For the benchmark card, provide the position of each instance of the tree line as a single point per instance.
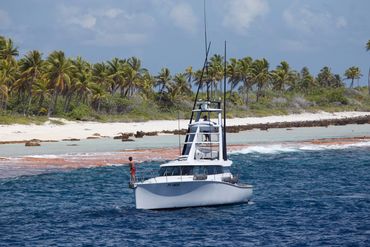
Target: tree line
(34, 85)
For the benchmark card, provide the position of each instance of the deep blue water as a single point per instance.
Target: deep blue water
(304, 198)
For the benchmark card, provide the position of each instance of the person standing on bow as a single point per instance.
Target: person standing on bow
(132, 170)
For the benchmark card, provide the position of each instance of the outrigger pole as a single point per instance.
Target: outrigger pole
(224, 149)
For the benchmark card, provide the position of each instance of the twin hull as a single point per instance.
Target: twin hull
(190, 194)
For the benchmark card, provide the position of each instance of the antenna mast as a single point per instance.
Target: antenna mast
(224, 151)
(205, 26)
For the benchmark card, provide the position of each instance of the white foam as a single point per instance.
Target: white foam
(116, 164)
(43, 156)
(284, 148)
(268, 149)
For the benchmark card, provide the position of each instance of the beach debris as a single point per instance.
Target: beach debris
(123, 136)
(71, 139)
(32, 143)
(153, 133)
(139, 134)
(93, 137)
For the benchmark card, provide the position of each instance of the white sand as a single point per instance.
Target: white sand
(82, 130)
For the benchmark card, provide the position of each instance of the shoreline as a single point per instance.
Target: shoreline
(73, 130)
(35, 164)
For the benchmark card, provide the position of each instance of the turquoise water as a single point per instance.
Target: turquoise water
(301, 198)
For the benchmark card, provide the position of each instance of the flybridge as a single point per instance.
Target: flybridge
(204, 137)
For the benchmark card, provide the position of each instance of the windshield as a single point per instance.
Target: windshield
(192, 170)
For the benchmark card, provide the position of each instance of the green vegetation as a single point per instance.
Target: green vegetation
(34, 88)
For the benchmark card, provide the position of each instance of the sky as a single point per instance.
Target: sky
(170, 33)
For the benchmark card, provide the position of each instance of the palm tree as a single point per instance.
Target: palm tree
(325, 78)
(261, 74)
(41, 92)
(8, 51)
(306, 81)
(59, 70)
(245, 74)
(282, 75)
(81, 83)
(368, 78)
(133, 75)
(232, 71)
(197, 78)
(180, 86)
(352, 73)
(4, 91)
(100, 75)
(98, 95)
(189, 73)
(116, 74)
(31, 68)
(215, 72)
(147, 84)
(8, 73)
(163, 80)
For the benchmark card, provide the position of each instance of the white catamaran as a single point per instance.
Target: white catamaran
(201, 176)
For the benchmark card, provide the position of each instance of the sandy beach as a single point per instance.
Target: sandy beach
(83, 130)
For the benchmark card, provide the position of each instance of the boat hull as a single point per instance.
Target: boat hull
(190, 194)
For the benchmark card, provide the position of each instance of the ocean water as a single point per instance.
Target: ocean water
(301, 198)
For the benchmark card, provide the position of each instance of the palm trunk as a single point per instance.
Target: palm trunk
(29, 104)
(53, 103)
(352, 83)
(247, 96)
(41, 101)
(99, 106)
(29, 101)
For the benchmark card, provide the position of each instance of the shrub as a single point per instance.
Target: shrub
(280, 101)
(81, 112)
(300, 102)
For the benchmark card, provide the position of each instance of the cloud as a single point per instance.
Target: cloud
(292, 45)
(240, 14)
(112, 13)
(4, 19)
(183, 16)
(107, 26)
(307, 21)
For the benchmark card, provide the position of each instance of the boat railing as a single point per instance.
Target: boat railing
(145, 174)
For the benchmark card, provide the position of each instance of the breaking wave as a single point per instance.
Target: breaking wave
(297, 147)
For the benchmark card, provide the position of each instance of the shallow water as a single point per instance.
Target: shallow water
(164, 141)
(301, 198)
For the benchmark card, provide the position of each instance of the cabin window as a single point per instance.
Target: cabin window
(191, 170)
(176, 171)
(226, 170)
(187, 170)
